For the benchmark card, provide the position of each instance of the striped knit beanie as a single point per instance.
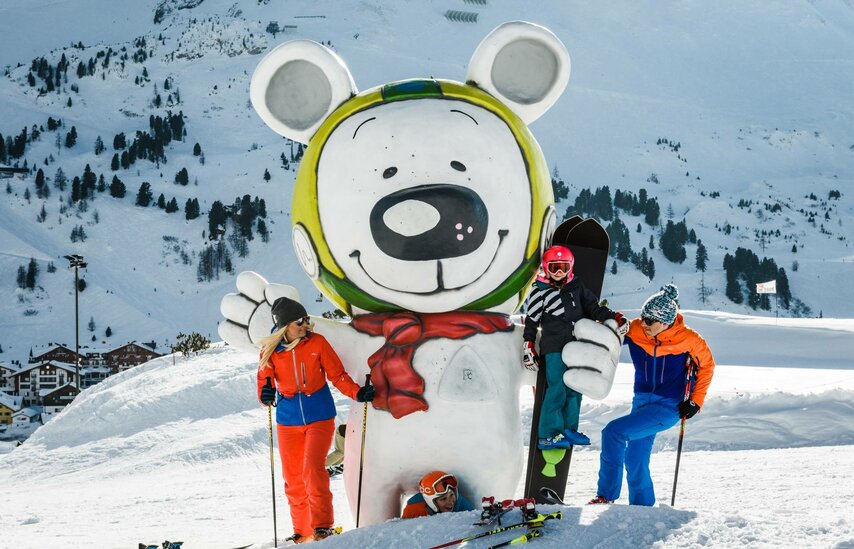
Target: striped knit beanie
(662, 306)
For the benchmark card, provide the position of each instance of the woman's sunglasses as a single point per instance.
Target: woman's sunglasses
(303, 320)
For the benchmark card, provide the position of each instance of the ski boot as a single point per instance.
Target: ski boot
(296, 539)
(553, 443)
(577, 439)
(599, 500)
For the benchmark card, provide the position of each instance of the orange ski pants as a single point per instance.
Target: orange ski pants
(303, 450)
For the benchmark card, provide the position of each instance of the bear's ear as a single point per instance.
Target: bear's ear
(297, 85)
(522, 64)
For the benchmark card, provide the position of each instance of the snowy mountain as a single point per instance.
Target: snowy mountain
(706, 106)
(178, 449)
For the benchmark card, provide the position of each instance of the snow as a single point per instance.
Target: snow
(757, 93)
(177, 449)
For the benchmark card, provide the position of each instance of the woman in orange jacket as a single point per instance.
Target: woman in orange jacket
(292, 373)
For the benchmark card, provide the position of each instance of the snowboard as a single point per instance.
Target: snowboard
(589, 243)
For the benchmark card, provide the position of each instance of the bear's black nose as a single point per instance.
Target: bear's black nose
(429, 222)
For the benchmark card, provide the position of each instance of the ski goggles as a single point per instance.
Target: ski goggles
(304, 320)
(441, 486)
(558, 267)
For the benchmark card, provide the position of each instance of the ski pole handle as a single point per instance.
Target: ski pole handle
(367, 379)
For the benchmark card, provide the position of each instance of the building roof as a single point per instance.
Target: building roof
(29, 411)
(11, 402)
(46, 392)
(42, 349)
(64, 365)
(144, 346)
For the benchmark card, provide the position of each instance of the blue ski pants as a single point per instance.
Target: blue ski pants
(627, 442)
(561, 405)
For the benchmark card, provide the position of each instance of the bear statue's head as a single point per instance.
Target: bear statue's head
(424, 195)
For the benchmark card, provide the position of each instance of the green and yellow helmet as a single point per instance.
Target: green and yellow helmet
(310, 234)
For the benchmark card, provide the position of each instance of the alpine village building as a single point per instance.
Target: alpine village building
(38, 390)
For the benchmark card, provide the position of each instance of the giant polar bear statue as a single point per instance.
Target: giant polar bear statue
(421, 209)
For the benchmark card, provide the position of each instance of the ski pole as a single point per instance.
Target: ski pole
(362, 454)
(272, 465)
(690, 368)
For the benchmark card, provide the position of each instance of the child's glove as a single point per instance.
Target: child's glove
(529, 356)
(622, 326)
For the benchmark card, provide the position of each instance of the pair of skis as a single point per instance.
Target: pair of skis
(535, 522)
(164, 545)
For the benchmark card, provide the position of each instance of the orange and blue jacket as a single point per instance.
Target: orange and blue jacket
(661, 362)
(300, 375)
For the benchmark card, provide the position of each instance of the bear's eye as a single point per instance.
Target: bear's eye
(389, 172)
(459, 166)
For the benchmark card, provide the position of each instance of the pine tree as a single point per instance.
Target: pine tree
(262, 230)
(217, 217)
(172, 206)
(266, 174)
(99, 145)
(22, 277)
(161, 201)
(75, 190)
(108, 332)
(144, 196)
(60, 180)
(32, 274)
(117, 188)
(197, 149)
(182, 177)
(701, 257)
(71, 136)
(91, 325)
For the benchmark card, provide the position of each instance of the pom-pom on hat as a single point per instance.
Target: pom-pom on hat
(663, 305)
(286, 310)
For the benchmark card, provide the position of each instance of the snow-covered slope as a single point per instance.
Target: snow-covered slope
(178, 449)
(756, 93)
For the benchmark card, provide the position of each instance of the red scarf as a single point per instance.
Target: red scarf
(398, 386)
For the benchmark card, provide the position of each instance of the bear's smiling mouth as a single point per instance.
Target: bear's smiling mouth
(440, 283)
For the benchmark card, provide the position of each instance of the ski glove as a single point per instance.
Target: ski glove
(688, 409)
(365, 394)
(529, 356)
(622, 324)
(268, 396)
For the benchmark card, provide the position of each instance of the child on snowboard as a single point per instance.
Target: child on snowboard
(558, 300)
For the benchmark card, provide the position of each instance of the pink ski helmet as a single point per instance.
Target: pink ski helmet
(558, 259)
